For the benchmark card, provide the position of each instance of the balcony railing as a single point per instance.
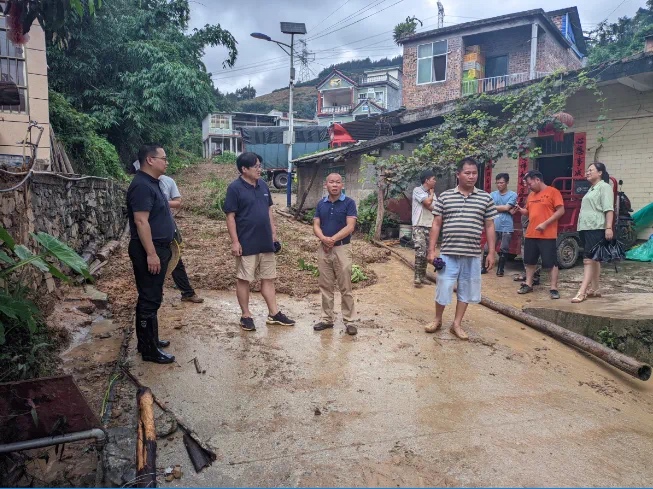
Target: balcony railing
(497, 82)
(338, 109)
(221, 131)
(379, 79)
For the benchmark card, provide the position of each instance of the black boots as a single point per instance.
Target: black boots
(501, 265)
(139, 336)
(147, 335)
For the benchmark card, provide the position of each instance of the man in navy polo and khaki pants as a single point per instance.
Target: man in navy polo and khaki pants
(334, 223)
(248, 206)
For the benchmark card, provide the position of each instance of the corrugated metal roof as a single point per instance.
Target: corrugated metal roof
(363, 147)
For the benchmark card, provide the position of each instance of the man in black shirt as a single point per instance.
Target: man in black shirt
(248, 206)
(152, 230)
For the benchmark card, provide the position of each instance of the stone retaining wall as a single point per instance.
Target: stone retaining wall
(75, 211)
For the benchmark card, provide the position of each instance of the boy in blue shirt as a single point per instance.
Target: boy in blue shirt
(504, 200)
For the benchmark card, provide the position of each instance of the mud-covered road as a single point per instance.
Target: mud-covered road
(394, 406)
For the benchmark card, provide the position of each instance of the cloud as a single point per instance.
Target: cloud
(338, 31)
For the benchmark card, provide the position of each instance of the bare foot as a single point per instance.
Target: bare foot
(432, 329)
(459, 332)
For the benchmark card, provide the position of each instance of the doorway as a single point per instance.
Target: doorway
(556, 157)
(553, 167)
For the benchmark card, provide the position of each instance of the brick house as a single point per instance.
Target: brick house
(342, 98)
(447, 63)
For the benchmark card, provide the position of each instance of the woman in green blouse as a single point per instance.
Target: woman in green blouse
(594, 224)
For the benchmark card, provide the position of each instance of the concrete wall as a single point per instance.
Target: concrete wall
(75, 212)
(629, 133)
(360, 178)
(13, 124)
(393, 98)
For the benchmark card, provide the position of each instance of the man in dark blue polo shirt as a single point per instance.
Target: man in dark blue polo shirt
(248, 206)
(152, 230)
(334, 223)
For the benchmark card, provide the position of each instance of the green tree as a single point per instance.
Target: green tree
(245, 93)
(138, 72)
(612, 41)
(405, 28)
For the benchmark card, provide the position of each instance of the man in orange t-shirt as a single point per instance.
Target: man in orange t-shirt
(544, 208)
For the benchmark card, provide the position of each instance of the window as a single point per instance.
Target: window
(496, 66)
(362, 96)
(12, 67)
(219, 121)
(432, 62)
(378, 97)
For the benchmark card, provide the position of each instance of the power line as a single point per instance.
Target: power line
(358, 12)
(324, 19)
(357, 21)
(616, 8)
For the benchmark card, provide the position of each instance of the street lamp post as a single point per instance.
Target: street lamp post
(291, 28)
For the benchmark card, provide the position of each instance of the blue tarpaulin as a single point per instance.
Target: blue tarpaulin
(268, 143)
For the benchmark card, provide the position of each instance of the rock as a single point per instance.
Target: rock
(87, 308)
(119, 461)
(165, 425)
(317, 411)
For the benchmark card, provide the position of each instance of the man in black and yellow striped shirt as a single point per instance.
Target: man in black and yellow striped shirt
(461, 214)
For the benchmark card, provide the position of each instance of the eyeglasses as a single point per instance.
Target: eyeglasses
(256, 167)
(164, 158)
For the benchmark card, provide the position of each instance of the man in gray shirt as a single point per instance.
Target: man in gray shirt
(422, 218)
(171, 192)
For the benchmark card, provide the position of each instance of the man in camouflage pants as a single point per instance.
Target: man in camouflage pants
(422, 218)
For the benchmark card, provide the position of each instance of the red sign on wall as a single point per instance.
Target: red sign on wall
(580, 149)
(522, 170)
(487, 177)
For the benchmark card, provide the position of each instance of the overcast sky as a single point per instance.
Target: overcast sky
(333, 40)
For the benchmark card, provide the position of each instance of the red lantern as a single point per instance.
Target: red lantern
(564, 118)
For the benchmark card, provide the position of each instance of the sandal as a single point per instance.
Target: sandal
(525, 289)
(579, 298)
(519, 278)
(594, 293)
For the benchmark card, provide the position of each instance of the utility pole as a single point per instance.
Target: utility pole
(291, 28)
(440, 15)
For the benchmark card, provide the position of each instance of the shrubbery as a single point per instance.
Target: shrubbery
(90, 153)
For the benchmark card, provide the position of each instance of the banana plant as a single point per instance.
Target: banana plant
(15, 309)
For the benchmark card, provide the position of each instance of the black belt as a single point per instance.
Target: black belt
(342, 242)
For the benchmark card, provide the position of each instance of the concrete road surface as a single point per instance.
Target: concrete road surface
(394, 406)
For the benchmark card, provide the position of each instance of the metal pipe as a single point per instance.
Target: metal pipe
(97, 433)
